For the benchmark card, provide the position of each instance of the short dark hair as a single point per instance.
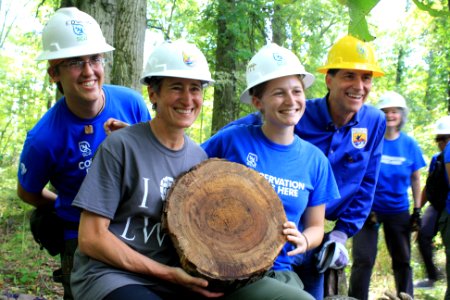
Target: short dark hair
(154, 82)
(332, 72)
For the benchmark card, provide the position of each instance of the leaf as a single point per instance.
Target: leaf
(358, 10)
(358, 26)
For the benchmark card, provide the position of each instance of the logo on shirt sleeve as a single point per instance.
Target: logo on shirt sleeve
(23, 169)
(359, 137)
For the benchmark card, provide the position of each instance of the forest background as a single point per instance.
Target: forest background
(411, 39)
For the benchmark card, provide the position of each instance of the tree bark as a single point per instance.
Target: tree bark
(225, 86)
(129, 37)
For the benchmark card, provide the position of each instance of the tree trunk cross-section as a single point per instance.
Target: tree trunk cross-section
(225, 220)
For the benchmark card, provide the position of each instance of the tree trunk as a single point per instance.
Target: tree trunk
(278, 26)
(129, 37)
(225, 97)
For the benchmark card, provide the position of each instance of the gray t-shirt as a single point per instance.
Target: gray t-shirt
(127, 183)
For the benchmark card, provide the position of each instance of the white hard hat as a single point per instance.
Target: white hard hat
(270, 62)
(442, 126)
(177, 59)
(392, 99)
(70, 33)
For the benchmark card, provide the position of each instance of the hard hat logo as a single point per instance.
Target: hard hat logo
(251, 67)
(78, 28)
(278, 57)
(362, 51)
(188, 59)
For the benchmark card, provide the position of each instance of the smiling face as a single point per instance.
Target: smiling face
(80, 84)
(393, 117)
(282, 102)
(178, 102)
(348, 90)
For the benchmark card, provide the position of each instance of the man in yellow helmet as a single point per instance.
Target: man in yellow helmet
(350, 134)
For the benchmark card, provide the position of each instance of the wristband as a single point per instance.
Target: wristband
(307, 242)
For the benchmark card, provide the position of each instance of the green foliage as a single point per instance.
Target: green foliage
(434, 8)
(414, 53)
(358, 10)
(24, 268)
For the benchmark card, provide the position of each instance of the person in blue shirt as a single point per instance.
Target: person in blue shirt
(60, 147)
(429, 227)
(350, 133)
(298, 171)
(400, 169)
(444, 220)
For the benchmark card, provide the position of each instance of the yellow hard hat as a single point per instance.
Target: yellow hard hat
(354, 54)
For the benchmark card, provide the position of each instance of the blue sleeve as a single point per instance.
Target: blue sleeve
(419, 161)
(34, 174)
(214, 146)
(353, 217)
(145, 114)
(326, 187)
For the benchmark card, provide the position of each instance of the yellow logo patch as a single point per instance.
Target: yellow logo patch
(359, 137)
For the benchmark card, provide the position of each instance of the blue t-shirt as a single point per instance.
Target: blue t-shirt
(446, 161)
(401, 158)
(299, 172)
(57, 149)
(354, 152)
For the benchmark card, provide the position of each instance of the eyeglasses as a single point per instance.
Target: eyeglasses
(78, 64)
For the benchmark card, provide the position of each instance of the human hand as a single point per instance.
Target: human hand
(198, 285)
(415, 220)
(113, 124)
(372, 219)
(295, 237)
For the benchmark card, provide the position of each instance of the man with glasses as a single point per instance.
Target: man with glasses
(60, 147)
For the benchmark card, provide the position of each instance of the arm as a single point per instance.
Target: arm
(423, 197)
(34, 199)
(312, 236)
(415, 187)
(353, 217)
(96, 241)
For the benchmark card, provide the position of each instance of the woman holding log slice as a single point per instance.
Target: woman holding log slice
(123, 253)
(299, 172)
